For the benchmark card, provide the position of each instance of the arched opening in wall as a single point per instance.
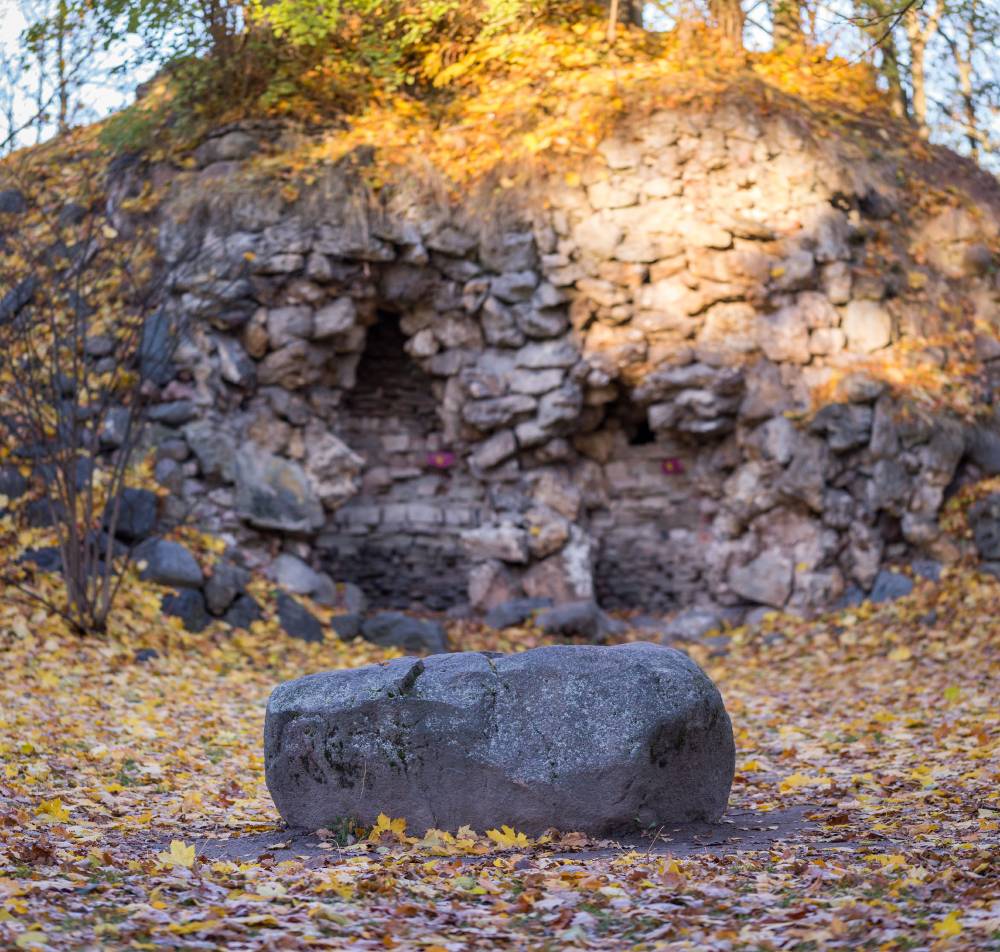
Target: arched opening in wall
(390, 382)
(647, 530)
(398, 538)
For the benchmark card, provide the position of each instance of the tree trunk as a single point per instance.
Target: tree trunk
(728, 19)
(963, 66)
(877, 26)
(62, 71)
(919, 34)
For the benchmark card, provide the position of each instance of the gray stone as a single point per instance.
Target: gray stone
(336, 318)
(493, 451)
(274, 493)
(868, 326)
(550, 353)
(691, 625)
(137, 514)
(17, 298)
(156, 348)
(766, 580)
(189, 606)
(534, 382)
(889, 586)
(292, 574)
(174, 413)
(235, 365)
(784, 336)
(286, 324)
(560, 407)
(226, 584)
(514, 612)
(927, 568)
(601, 740)
(346, 627)
(229, 147)
(243, 613)
(297, 364)
(508, 251)
(890, 486)
(13, 485)
(541, 322)
(500, 324)
(396, 630)
(846, 426)
(297, 621)
(12, 202)
(99, 345)
(169, 563)
(498, 412)
(506, 542)
(514, 286)
(333, 468)
(214, 448)
(579, 619)
(984, 518)
(984, 447)
(114, 427)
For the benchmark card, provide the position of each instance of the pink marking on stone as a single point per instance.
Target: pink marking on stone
(441, 460)
(672, 466)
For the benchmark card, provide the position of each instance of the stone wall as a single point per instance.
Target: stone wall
(669, 376)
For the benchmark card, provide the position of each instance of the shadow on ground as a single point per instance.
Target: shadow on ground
(737, 831)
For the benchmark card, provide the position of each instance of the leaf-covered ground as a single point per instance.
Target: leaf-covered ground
(118, 774)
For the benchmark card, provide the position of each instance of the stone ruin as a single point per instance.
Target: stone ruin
(665, 382)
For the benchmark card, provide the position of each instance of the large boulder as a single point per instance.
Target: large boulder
(489, 739)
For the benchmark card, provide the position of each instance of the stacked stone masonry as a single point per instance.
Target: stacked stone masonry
(610, 392)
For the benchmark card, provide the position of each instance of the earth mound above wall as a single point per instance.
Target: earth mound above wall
(706, 367)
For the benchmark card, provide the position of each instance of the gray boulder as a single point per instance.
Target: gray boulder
(227, 582)
(582, 619)
(984, 517)
(243, 612)
(298, 621)
(274, 493)
(12, 484)
(692, 624)
(169, 563)
(396, 630)
(137, 514)
(188, 605)
(515, 611)
(346, 627)
(12, 202)
(489, 739)
(889, 586)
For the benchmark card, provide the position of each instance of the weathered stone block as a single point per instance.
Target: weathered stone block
(488, 740)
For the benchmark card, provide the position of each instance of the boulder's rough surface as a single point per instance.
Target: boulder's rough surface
(579, 737)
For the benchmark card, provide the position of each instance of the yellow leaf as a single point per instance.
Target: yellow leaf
(507, 838)
(796, 780)
(384, 824)
(179, 854)
(950, 925)
(52, 810)
(32, 939)
(900, 654)
(197, 926)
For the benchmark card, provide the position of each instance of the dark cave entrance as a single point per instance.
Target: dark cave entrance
(390, 383)
(398, 538)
